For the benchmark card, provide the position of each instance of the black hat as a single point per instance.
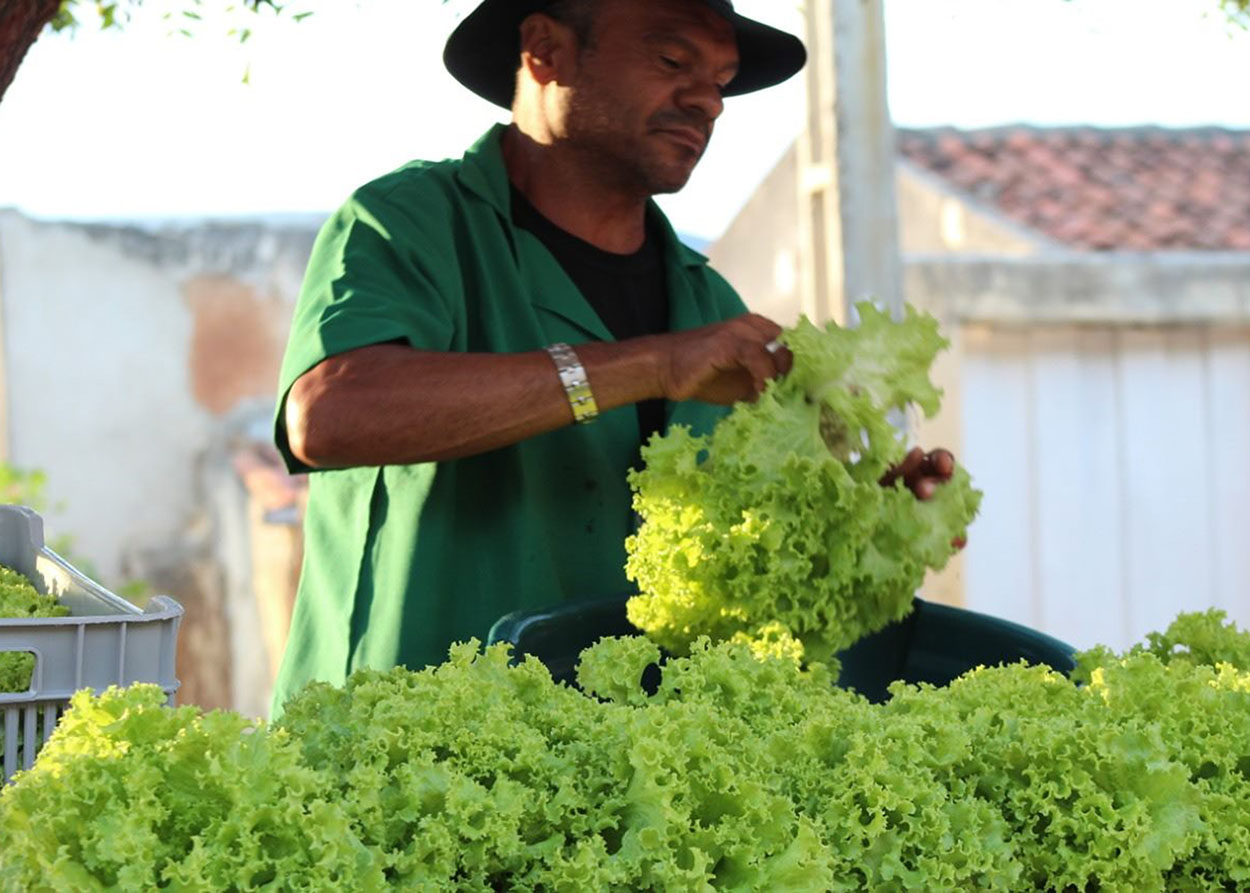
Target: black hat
(483, 52)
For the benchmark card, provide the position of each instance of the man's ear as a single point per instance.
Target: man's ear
(548, 48)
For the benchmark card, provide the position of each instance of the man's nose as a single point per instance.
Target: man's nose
(704, 95)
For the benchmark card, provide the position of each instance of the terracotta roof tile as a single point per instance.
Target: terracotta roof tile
(1239, 238)
(1144, 189)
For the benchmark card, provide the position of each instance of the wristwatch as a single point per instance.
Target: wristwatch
(576, 385)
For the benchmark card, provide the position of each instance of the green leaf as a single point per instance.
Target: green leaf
(777, 518)
(19, 598)
(736, 772)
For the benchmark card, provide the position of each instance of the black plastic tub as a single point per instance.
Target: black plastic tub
(935, 643)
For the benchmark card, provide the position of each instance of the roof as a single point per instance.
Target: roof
(1132, 189)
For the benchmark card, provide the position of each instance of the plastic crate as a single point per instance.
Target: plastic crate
(935, 643)
(105, 640)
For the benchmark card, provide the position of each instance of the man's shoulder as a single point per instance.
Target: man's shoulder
(417, 181)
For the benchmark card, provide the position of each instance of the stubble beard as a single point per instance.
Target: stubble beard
(633, 163)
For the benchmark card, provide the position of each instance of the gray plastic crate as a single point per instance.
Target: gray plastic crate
(105, 640)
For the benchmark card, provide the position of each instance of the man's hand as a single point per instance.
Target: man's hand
(721, 363)
(923, 473)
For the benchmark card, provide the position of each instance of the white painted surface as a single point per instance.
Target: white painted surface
(98, 388)
(1117, 489)
(1166, 493)
(99, 344)
(1076, 491)
(1228, 372)
(998, 451)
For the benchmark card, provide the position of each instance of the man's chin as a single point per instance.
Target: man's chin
(667, 189)
(669, 181)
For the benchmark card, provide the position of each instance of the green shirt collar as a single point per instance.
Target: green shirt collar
(482, 172)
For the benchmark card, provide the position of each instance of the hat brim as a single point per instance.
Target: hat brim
(483, 52)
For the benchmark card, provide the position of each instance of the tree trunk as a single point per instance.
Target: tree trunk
(20, 23)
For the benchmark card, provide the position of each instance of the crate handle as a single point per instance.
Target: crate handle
(8, 646)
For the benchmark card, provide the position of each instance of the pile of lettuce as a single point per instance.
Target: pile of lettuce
(776, 523)
(18, 598)
(740, 772)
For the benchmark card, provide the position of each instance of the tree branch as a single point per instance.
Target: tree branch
(21, 21)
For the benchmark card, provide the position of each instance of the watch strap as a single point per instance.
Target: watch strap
(576, 384)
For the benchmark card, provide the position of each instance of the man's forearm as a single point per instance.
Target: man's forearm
(392, 405)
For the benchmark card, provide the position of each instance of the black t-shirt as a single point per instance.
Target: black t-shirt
(627, 291)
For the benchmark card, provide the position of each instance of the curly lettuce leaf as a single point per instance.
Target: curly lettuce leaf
(1202, 638)
(131, 794)
(739, 770)
(777, 517)
(1192, 683)
(19, 598)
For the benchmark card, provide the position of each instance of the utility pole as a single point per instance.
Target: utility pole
(848, 210)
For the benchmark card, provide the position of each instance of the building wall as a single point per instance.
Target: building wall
(934, 219)
(134, 360)
(124, 349)
(1117, 494)
(1104, 409)
(761, 255)
(98, 386)
(759, 252)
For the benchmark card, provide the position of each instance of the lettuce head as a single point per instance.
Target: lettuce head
(778, 516)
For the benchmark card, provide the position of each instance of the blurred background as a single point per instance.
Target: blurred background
(1065, 184)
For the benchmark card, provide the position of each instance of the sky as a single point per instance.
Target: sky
(142, 124)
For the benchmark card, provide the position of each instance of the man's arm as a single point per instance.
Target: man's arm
(389, 404)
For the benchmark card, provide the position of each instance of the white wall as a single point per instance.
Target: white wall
(124, 349)
(134, 362)
(1117, 493)
(97, 385)
(761, 255)
(1104, 408)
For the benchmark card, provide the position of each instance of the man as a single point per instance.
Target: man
(468, 461)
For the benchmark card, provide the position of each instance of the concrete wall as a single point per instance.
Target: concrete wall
(98, 386)
(133, 360)
(1103, 405)
(760, 253)
(1080, 288)
(124, 349)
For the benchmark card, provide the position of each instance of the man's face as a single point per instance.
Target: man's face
(647, 90)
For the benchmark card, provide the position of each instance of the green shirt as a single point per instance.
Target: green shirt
(401, 561)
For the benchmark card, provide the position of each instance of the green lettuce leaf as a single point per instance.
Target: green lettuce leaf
(18, 598)
(131, 794)
(740, 769)
(777, 519)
